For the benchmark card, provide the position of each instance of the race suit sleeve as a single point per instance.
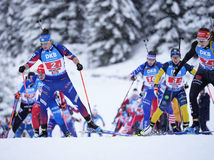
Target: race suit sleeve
(188, 56)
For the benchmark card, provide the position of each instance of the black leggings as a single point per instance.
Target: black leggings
(201, 79)
(24, 110)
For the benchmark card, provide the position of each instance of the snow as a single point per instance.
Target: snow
(106, 88)
(151, 148)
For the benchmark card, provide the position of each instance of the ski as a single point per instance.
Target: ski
(109, 132)
(155, 134)
(194, 133)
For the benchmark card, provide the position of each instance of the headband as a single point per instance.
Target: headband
(203, 34)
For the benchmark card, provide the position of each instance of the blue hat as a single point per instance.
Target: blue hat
(44, 38)
(175, 51)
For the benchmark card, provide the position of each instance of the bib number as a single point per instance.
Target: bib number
(207, 62)
(54, 66)
(176, 80)
(150, 79)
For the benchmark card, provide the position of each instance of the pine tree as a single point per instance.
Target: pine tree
(167, 17)
(64, 19)
(113, 28)
(11, 47)
(201, 11)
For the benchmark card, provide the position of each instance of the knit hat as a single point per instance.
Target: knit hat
(175, 51)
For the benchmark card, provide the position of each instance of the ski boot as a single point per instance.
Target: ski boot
(67, 134)
(194, 128)
(36, 133)
(148, 130)
(44, 133)
(178, 124)
(92, 127)
(175, 128)
(185, 125)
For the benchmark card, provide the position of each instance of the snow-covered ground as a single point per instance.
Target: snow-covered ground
(106, 88)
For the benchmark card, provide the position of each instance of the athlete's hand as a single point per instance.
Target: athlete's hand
(175, 71)
(79, 67)
(133, 78)
(21, 69)
(156, 90)
(186, 86)
(17, 95)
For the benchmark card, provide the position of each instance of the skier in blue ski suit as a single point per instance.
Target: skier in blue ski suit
(27, 101)
(55, 109)
(96, 118)
(148, 70)
(56, 78)
(66, 113)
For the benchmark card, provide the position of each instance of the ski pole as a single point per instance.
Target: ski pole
(145, 43)
(179, 43)
(63, 116)
(173, 78)
(23, 76)
(125, 97)
(210, 93)
(86, 94)
(11, 118)
(40, 23)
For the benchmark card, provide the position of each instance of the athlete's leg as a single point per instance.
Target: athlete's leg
(20, 130)
(35, 117)
(146, 103)
(58, 116)
(29, 129)
(22, 114)
(198, 83)
(70, 92)
(71, 128)
(51, 125)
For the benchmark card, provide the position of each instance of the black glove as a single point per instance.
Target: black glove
(175, 71)
(133, 78)
(186, 86)
(79, 67)
(21, 69)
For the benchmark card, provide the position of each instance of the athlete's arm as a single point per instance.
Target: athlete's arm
(161, 72)
(187, 57)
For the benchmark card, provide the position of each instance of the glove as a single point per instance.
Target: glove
(133, 78)
(156, 90)
(63, 105)
(186, 86)
(21, 69)
(175, 71)
(17, 95)
(79, 67)
(142, 93)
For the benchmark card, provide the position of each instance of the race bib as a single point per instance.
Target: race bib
(207, 62)
(54, 67)
(150, 79)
